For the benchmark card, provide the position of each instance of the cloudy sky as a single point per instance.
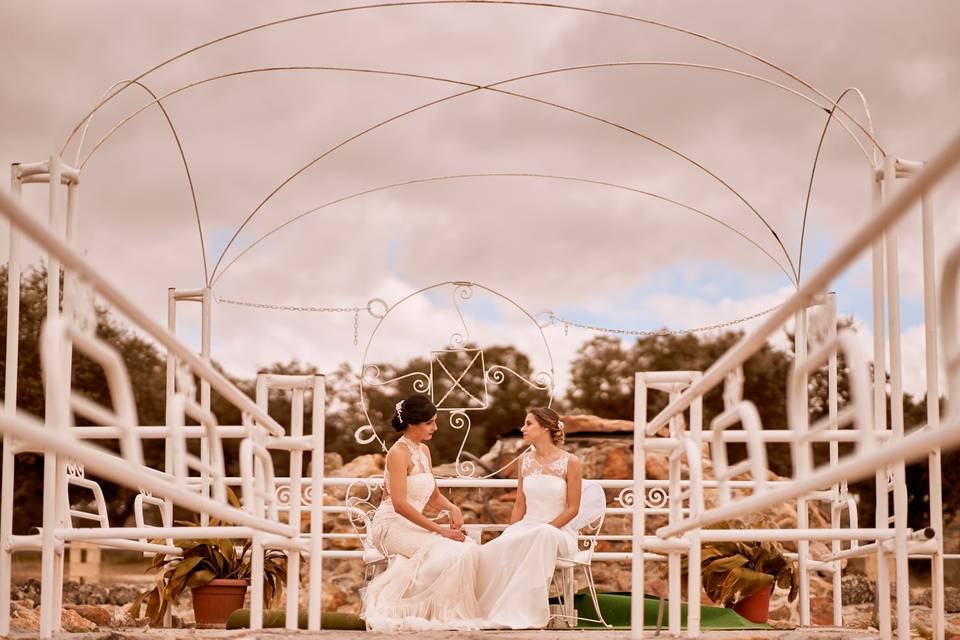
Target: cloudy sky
(549, 239)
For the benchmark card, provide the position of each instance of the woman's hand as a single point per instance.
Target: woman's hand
(453, 534)
(456, 518)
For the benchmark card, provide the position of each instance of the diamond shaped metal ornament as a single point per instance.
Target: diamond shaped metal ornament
(458, 380)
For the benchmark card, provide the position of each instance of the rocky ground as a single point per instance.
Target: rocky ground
(91, 608)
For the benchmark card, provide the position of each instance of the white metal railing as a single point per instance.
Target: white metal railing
(877, 449)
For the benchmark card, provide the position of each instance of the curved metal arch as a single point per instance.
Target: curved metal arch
(816, 160)
(527, 3)
(664, 63)
(495, 175)
(243, 72)
(491, 87)
(183, 156)
(473, 88)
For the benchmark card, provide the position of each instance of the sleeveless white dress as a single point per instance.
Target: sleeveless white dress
(429, 583)
(513, 578)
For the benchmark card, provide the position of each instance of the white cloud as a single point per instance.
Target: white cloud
(546, 243)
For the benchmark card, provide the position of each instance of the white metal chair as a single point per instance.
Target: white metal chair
(593, 508)
(360, 512)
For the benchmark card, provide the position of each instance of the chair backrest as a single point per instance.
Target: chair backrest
(593, 510)
(360, 512)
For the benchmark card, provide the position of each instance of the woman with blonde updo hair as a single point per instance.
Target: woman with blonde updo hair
(513, 577)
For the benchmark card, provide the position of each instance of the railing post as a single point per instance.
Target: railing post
(639, 515)
(10, 408)
(896, 411)
(316, 505)
(930, 315)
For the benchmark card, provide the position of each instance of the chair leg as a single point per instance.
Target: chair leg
(592, 587)
(557, 585)
(568, 589)
(660, 609)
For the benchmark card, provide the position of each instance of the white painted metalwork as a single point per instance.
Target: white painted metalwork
(70, 460)
(425, 382)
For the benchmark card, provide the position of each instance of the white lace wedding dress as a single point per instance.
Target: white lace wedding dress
(429, 583)
(513, 578)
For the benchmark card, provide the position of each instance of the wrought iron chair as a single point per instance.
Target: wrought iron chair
(360, 512)
(593, 508)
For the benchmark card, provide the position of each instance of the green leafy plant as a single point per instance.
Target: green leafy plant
(202, 561)
(732, 571)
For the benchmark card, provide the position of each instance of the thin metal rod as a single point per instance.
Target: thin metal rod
(475, 87)
(419, 3)
(119, 470)
(183, 157)
(932, 350)
(49, 604)
(44, 237)
(896, 409)
(917, 443)
(495, 175)
(10, 406)
(816, 160)
(893, 210)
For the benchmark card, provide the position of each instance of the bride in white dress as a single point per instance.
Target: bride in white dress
(429, 583)
(513, 578)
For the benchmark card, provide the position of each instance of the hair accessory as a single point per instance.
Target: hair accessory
(560, 424)
(398, 407)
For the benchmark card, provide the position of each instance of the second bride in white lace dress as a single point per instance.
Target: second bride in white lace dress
(513, 579)
(429, 583)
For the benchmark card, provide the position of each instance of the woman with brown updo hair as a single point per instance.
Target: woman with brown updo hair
(513, 577)
(429, 583)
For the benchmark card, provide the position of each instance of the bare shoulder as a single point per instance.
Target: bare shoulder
(398, 453)
(573, 462)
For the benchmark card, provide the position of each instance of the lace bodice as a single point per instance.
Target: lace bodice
(544, 486)
(530, 466)
(420, 480)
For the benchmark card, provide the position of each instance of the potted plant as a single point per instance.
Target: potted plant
(741, 575)
(217, 574)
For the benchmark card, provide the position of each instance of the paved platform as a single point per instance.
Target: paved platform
(279, 634)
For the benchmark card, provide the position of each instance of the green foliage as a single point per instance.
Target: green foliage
(732, 571)
(202, 561)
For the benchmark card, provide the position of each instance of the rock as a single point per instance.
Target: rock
(25, 620)
(592, 424)
(97, 615)
(73, 622)
(924, 597)
(331, 462)
(821, 610)
(858, 616)
(122, 618)
(26, 603)
(856, 589)
(361, 467)
(27, 590)
(76, 593)
(122, 595)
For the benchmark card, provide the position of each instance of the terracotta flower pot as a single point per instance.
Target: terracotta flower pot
(214, 602)
(755, 608)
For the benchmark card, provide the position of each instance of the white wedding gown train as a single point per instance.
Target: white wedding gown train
(430, 581)
(515, 570)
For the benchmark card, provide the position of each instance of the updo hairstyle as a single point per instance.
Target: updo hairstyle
(416, 409)
(549, 420)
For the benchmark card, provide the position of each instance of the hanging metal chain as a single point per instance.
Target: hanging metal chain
(657, 332)
(285, 307)
(552, 316)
